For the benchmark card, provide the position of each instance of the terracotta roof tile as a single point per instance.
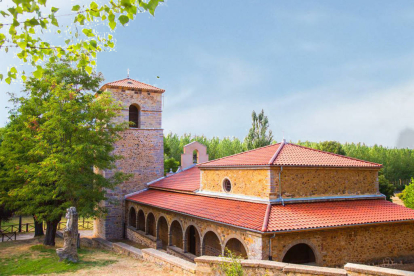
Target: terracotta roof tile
(291, 217)
(130, 83)
(301, 216)
(295, 155)
(188, 180)
(259, 156)
(238, 213)
(289, 155)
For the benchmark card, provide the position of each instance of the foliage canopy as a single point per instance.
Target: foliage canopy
(57, 138)
(26, 22)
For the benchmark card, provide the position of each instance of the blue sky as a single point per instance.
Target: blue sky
(321, 70)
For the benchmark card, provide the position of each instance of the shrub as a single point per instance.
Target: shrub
(231, 265)
(408, 195)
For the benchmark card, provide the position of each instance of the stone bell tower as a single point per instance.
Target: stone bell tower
(142, 147)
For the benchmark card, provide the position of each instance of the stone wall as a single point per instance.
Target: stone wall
(361, 244)
(251, 241)
(247, 182)
(140, 237)
(143, 157)
(317, 182)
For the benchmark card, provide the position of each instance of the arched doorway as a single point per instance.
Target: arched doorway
(150, 229)
(141, 220)
(237, 247)
(162, 233)
(193, 240)
(132, 217)
(211, 244)
(300, 254)
(176, 234)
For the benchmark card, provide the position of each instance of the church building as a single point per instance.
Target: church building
(282, 202)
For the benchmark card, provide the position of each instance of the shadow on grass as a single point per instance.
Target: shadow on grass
(43, 260)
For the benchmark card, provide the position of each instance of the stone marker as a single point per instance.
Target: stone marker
(70, 237)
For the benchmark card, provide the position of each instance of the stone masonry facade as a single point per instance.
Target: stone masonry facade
(143, 156)
(358, 244)
(294, 182)
(251, 241)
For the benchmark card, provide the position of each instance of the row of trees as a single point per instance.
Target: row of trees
(398, 163)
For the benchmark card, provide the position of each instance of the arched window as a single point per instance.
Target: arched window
(162, 233)
(150, 229)
(176, 234)
(211, 244)
(132, 218)
(300, 254)
(133, 116)
(195, 157)
(236, 247)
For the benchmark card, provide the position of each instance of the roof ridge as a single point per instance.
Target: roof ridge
(279, 149)
(224, 157)
(140, 82)
(339, 155)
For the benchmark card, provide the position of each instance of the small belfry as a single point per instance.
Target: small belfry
(141, 146)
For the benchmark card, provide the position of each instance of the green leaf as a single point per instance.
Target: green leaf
(88, 69)
(67, 41)
(112, 25)
(13, 70)
(93, 43)
(8, 80)
(24, 78)
(1, 77)
(4, 13)
(33, 22)
(38, 73)
(22, 44)
(123, 19)
(88, 32)
(76, 8)
(53, 9)
(55, 22)
(93, 6)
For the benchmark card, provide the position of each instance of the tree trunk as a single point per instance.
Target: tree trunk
(38, 227)
(51, 227)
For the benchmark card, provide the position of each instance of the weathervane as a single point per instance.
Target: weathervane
(128, 73)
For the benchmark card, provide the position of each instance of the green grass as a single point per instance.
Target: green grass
(43, 260)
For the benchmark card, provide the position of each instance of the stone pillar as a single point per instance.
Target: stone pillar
(184, 245)
(70, 236)
(169, 238)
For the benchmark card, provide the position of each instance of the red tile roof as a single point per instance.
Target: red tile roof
(301, 216)
(130, 83)
(291, 217)
(188, 180)
(289, 155)
(259, 156)
(238, 213)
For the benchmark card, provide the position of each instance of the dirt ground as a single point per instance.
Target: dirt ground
(121, 265)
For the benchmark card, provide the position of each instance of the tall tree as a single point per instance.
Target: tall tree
(57, 139)
(408, 195)
(259, 134)
(26, 22)
(331, 146)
